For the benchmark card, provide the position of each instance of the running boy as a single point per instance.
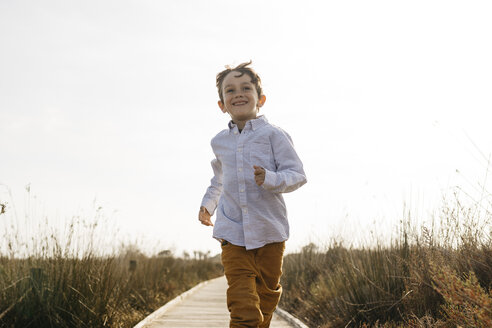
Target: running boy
(255, 162)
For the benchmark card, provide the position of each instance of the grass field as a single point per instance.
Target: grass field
(93, 291)
(430, 276)
(63, 279)
(438, 275)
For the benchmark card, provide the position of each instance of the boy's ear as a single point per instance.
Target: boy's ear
(261, 101)
(222, 107)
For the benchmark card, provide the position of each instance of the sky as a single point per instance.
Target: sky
(107, 109)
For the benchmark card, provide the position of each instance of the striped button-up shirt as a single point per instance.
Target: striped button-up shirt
(247, 214)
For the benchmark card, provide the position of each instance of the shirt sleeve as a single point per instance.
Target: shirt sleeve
(212, 195)
(289, 175)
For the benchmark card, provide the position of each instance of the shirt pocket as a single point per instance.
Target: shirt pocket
(231, 213)
(261, 155)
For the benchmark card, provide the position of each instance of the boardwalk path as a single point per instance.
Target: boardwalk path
(204, 306)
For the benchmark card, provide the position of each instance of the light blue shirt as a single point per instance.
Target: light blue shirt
(247, 214)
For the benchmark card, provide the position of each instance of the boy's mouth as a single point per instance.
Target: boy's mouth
(239, 103)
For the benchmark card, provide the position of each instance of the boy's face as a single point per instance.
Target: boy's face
(240, 97)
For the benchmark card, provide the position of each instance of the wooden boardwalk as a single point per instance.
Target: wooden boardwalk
(204, 306)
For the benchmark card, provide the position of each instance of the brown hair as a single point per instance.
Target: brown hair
(241, 69)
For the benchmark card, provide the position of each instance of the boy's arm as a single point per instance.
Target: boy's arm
(212, 195)
(290, 173)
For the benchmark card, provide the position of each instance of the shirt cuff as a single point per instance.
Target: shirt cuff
(209, 205)
(270, 180)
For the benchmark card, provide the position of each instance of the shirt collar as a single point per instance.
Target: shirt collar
(253, 124)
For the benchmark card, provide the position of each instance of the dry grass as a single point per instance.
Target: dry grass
(437, 276)
(45, 282)
(93, 291)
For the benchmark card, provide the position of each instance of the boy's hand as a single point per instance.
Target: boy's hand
(259, 175)
(204, 217)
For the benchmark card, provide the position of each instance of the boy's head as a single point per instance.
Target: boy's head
(240, 92)
(240, 69)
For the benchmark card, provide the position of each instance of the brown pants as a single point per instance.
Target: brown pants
(253, 277)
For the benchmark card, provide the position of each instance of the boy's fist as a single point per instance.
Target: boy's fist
(204, 217)
(259, 175)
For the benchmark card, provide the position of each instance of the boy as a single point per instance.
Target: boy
(255, 162)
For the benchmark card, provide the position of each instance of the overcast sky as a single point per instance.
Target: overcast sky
(116, 101)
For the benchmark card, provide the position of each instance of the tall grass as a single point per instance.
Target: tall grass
(91, 291)
(59, 279)
(438, 275)
(434, 275)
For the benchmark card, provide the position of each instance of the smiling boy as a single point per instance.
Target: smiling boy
(255, 162)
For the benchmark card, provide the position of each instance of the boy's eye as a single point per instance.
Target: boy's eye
(229, 90)
(247, 88)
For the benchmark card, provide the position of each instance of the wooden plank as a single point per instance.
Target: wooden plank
(204, 306)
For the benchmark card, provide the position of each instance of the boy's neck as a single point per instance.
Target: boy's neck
(241, 124)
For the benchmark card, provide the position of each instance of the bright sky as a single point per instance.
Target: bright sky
(116, 101)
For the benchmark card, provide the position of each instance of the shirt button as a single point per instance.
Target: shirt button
(245, 210)
(235, 132)
(242, 190)
(239, 149)
(240, 169)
